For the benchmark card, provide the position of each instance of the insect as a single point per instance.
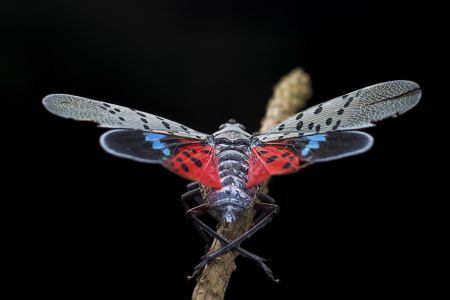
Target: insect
(228, 167)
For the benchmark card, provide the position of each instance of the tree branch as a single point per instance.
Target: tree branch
(289, 95)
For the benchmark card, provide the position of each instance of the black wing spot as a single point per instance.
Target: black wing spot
(144, 120)
(348, 102)
(318, 128)
(310, 125)
(184, 128)
(197, 162)
(285, 154)
(141, 114)
(287, 165)
(121, 119)
(112, 112)
(166, 124)
(184, 167)
(194, 151)
(271, 159)
(159, 118)
(337, 124)
(186, 153)
(104, 108)
(263, 152)
(340, 112)
(345, 96)
(106, 105)
(205, 151)
(291, 158)
(299, 116)
(179, 159)
(116, 109)
(318, 110)
(329, 121)
(301, 134)
(281, 127)
(146, 127)
(299, 125)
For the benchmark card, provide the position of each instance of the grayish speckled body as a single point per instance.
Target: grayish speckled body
(232, 144)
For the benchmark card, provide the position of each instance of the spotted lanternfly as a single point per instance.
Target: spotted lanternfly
(228, 166)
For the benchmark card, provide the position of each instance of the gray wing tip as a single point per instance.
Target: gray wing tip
(52, 101)
(413, 91)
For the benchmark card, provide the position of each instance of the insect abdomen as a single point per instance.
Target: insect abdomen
(234, 195)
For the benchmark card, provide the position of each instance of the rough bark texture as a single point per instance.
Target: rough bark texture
(290, 94)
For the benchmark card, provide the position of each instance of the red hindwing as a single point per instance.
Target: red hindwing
(269, 160)
(197, 162)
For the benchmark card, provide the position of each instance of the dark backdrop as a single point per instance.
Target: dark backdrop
(92, 224)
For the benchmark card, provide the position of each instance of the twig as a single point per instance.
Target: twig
(289, 95)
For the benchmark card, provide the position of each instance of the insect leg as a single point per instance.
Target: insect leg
(193, 185)
(269, 210)
(194, 195)
(265, 198)
(224, 241)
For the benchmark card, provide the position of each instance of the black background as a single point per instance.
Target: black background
(92, 224)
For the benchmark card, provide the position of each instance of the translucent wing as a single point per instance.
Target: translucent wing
(290, 155)
(192, 159)
(359, 109)
(114, 116)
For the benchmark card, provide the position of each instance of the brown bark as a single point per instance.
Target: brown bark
(289, 95)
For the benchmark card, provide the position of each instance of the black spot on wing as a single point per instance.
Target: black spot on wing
(310, 125)
(116, 109)
(121, 119)
(179, 159)
(285, 154)
(144, 120)
(184, 167)
(281, 127)
(329, 121)
(348, 102)
(340, 112)
(104, 108)
(146, 127)
(197, 162)
(141, 114)
(112, 112)
(318, 110)
(299, 125)
(106, 105)
(186, 153)
(287, 165)
(299, 116)
(338, 122)
(271, 159)
(165, 124)
(263, 152)
(318, 128)
(183, 127)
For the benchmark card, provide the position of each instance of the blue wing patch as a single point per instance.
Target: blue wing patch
(313, 143)
(155, 139)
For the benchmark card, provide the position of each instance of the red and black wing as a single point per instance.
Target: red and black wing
(290, 155)
(192, 159)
